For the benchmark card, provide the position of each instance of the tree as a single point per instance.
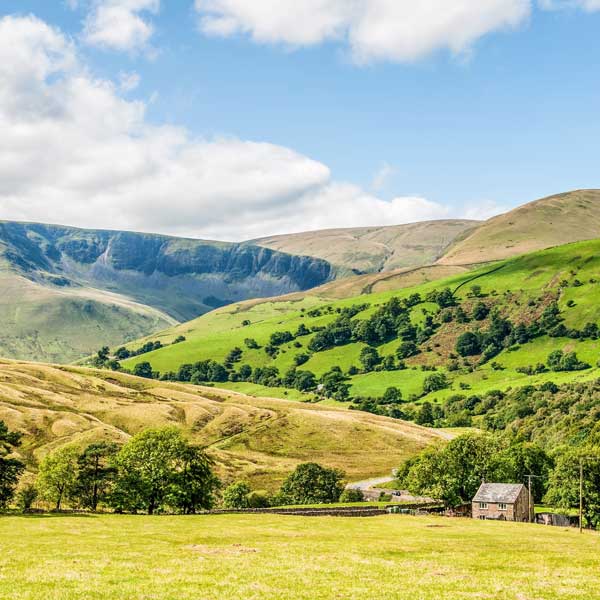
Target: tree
(57, 475)
(369, 358)
(143, 369)
(235, 355)
(406, 350)
(312, 483)
(236, 495)
(251, 343)
(158, 468)
(480, 311)
(95, 474)
(435, 382)
(468, 344)
(352, 495)
(563, 489)
(425, 415)
(392, 395)
(10, 468)
(26, 496)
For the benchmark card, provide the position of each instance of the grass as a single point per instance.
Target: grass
(227, 557)
(260, 440)
(520, 289)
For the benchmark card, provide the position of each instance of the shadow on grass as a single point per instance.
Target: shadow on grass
(49, 515)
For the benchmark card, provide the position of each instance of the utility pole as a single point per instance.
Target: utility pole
(530, 504)
(581, 494)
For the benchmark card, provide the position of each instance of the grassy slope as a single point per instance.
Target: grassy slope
(63, 324)
(552, 221)
(258, 439)
(533, 277)
(374, 249)
(228, 557)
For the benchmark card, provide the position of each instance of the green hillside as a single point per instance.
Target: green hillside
(524, 291)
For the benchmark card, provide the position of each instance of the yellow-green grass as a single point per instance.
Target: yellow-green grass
(519, 287)
(260, 440)
(227, 557)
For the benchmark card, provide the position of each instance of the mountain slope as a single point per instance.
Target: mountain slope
(569, 217)
(260, 440)
(520, 290)
(64, 287)
(374, 249)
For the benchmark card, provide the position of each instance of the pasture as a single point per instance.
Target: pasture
(227, 557)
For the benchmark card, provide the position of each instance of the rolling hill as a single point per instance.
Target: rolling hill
(260, 440)
(522, 290)
(553, 221)
(65, 290)
(374, 249)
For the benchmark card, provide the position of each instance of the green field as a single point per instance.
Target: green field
(228, 557)
(519, 288)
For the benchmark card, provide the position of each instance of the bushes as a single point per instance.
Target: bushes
(559, 361)
(352, 495)
(311, 483)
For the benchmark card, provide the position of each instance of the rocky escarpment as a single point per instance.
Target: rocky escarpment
(67, 278)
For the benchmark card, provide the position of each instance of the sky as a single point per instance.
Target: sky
(235, 119)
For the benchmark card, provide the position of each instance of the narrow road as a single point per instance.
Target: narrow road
(367, 484)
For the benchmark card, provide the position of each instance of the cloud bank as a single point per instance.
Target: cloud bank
(373, 30)
(75, 151)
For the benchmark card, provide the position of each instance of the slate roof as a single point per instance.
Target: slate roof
(498, 492)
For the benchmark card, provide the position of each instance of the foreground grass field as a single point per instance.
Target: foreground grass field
(279, 557)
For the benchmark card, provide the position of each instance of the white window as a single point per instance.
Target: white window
(502, 506)
(483, 506)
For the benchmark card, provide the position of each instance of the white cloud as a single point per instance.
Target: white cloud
(74, 151)
(394, 30)
(120, 24)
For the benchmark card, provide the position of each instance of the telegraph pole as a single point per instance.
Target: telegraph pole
(530, 504)
(581, 494)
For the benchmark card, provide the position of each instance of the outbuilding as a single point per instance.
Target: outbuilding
(502, 502)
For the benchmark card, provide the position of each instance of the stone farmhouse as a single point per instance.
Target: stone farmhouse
(502, 502)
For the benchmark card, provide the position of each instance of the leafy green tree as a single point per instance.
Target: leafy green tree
(26, 496)
(468, 344)
(143, 369)
(563, 490)
(311, 483)
(57, 475)
(435, 382)
(95, 474)
(10, 468)
(236, 495)
(392, 395)
(480, 311)
(406, 350)
(251, 343)
(234, 355)
(352, 495)
(425, 415)
(369, 358)
(158, 468)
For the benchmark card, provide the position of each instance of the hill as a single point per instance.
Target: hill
(517, 312)
(553, 221)
(66, 290)
(258, 439)
(374, 249)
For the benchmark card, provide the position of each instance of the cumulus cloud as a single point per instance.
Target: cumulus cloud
(120, 24)
(394, 30)
(74, 151)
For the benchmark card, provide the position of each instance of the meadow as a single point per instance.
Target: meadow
(227, 557)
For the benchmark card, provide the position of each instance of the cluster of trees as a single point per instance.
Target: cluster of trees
(453, 473)
(104, 359)
(10, 467)
(309, 483)
(156, 470)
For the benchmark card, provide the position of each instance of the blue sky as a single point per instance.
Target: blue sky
(472, 127)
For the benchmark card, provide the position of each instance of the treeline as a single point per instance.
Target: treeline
(104, 358)
(156, 471)
(454, 472)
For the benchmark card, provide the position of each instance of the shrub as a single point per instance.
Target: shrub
(352, 495)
